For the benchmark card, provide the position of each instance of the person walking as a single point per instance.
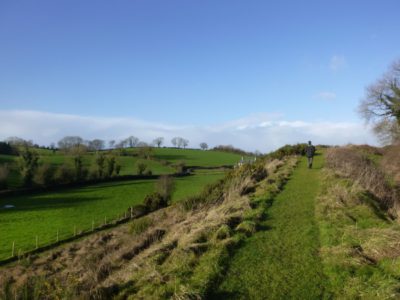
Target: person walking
(310, 152)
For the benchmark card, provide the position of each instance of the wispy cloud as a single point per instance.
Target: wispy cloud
(264, 132)
(325, 96)
(337, 63)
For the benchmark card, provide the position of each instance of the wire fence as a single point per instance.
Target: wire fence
(39, 243)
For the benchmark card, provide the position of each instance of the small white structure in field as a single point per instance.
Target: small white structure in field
(8, 206)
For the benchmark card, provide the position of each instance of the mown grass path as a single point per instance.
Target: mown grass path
(281, 261)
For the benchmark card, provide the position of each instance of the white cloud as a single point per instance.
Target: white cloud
(325, 96)
(337, 62)
(264, 132)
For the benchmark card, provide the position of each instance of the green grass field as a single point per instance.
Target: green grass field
(129, 162)
(43, 214)
(281, 261)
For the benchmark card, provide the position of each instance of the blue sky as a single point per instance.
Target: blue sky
(196, 64)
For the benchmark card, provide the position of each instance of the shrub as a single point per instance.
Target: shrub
(231, 149)
(117, 169)
(44, 175)
(4, 172)
(141, 167)
(287, 150)
(212, 193)
(180, 167)
(145, 152)
(111, 165)
(80, 172)
(64, 175)
(28, 163)
(100, 161)
(137, 210)
(165, 186)
(154, 201)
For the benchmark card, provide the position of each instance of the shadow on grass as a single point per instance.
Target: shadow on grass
(170, 157)
(46, 204)
(373, 202)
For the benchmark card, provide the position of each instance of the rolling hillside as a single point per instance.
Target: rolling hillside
(268, 230)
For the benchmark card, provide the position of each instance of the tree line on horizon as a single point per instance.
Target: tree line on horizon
(69, 142)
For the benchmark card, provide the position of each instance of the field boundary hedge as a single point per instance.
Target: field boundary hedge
(58, 187)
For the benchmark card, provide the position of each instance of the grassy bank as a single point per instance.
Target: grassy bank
(360, 246)
(44, 214)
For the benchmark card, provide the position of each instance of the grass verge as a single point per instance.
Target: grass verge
(360, 246)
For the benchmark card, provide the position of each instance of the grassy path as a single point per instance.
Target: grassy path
(281, 261)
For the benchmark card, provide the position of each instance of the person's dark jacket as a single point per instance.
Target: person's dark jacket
(310, 151)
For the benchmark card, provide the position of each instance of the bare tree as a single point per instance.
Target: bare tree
(203, 146)
(96, 145)
(17, 141)
(132, 141)
(381, 105)
(142, 144)
(69, 142)
(111, 143)
(179, 142)
(174, 141)
(121, 144)
(185, 143)
(158, 141)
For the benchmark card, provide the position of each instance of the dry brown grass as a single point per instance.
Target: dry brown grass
(391, 162)
(360, 245)
(349, 163)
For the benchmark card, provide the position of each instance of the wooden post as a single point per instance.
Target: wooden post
(13, 248)
(37, 242)
(92, 225)
(131, 212)
(105, 220)
(74, 230)
(57, 236)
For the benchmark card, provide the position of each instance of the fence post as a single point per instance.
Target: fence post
(74, 230)
(92, 225)
(131, 212)
(13, 248)
(37, 242)
(57, 236)
(105, 220)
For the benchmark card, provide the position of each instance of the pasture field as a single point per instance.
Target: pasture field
(43, 214)
(162, 159)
